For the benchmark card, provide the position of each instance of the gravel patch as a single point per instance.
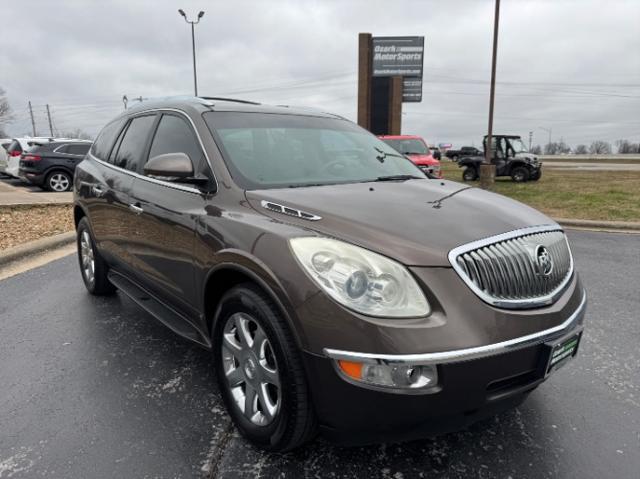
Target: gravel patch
(20, 224)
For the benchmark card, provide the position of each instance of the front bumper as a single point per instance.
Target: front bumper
(473, 383)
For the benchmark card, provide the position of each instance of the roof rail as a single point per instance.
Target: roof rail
(235, 100)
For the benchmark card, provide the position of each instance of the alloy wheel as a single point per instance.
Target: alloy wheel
(59, 182)
(87, 258)
(251, 369)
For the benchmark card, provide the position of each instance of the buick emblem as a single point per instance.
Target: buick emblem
(543, 260)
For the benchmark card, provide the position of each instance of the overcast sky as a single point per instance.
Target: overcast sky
(569, 66)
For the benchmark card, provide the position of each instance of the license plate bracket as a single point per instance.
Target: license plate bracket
(561, 352)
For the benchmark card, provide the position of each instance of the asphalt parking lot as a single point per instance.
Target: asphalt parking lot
(94, 387)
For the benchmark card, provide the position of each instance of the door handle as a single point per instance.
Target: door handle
(97, 190)
(136, 209)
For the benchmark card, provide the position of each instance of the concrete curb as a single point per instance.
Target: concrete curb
(619, 226)
(33, 247)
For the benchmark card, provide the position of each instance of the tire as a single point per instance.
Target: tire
(520, 174)
(454, 158)
(58, 181)
(92, 267)
(470, 174)
(537, 175)
(280, 418)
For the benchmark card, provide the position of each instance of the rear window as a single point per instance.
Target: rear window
(79, 150)
(104, 142)
(15, 146)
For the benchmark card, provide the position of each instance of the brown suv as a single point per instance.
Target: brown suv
(338, 287)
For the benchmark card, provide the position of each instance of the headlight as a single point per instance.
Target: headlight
(360, 279)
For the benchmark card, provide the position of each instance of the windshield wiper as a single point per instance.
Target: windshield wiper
(399, 178)
(383, 154)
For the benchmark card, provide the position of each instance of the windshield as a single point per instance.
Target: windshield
(411, 146)
(265, 151)
(518, 146)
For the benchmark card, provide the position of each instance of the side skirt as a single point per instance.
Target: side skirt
(175, 321)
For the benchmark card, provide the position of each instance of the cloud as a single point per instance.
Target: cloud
(569, 66)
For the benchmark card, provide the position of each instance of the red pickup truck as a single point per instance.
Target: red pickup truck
(417, 150)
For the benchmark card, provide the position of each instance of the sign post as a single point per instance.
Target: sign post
(389, 74)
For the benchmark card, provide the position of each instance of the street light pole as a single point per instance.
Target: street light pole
(487, 168)
(548, 130)
(193, 45)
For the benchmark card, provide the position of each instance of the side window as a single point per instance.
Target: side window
(62, 149)
(175, 136)
(134, 142)
(104, 142)
(79, 150)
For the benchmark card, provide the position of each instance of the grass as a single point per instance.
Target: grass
(589, 195)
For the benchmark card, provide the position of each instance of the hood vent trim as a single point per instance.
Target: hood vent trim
(287, 210)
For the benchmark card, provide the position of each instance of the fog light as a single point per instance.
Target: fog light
(395, 376)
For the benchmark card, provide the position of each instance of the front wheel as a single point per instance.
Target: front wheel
(519, 174)
(259, 371)
(470, 174)
(536, 175)
(92, 267)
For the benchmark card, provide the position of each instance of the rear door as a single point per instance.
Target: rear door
(164, 232)
(111, 208)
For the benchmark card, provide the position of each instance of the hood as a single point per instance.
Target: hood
(530, 157)
(424, 159)
(416, 222)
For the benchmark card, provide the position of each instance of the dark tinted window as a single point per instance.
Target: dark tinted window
(104, 142)
(175, 136)
(133, 143)
(78, 149)
(61, 148)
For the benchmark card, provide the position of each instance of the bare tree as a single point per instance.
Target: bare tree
(626, 147)
(78, 134)
(6, 114)
(600, 147)
(557, 148)
(581, 150)
(536, 150)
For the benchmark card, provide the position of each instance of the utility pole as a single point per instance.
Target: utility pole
(548, 130)
(50, 124)
(487, 169)
(33, 122)
(530, 139)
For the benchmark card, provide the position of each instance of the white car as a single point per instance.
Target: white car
(19, 146)
(4, 156)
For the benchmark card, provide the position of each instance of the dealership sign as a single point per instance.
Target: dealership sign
(400, 56)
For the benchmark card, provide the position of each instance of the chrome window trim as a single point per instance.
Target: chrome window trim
(147, 178)
(468, 353)
(154, 180)
(511, 303)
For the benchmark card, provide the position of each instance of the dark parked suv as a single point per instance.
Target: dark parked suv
(338, 287)
(51, 165)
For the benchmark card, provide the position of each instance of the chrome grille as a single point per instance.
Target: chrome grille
(509, 270)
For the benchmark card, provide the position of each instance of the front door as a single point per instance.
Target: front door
(163, 238)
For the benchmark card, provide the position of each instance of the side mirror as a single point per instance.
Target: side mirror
(170, 165)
